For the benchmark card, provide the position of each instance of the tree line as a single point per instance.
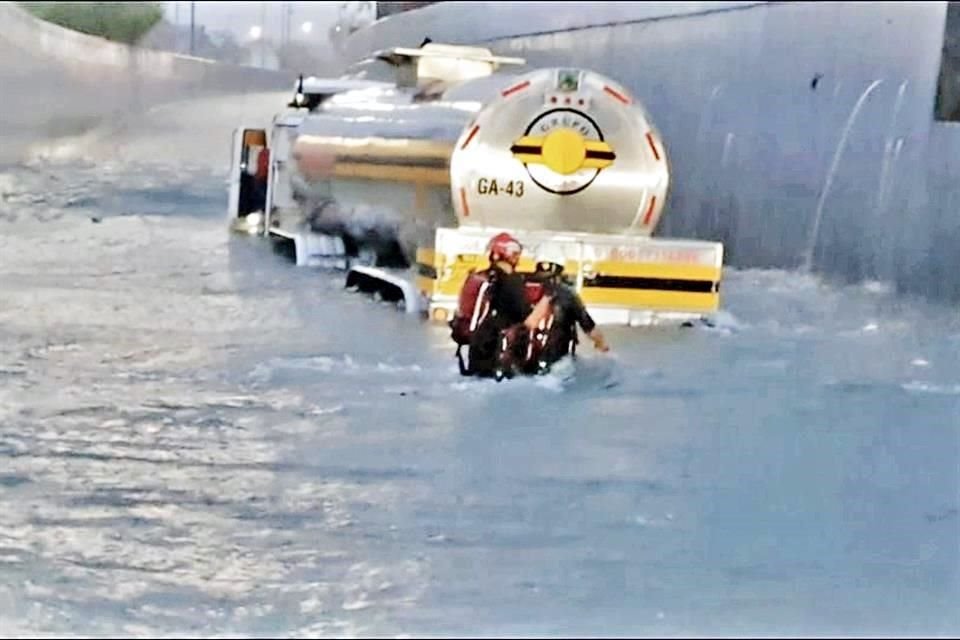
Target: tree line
(143, 24)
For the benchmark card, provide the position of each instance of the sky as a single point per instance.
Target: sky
(241, 17)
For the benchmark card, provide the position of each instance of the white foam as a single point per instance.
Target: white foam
(877, 287)
(392, 368)
(933, 389)
(550, 383)
(8, 185)
(324, 364)
(726, 322)
(357, 605)
(63, 149)
(325, 411)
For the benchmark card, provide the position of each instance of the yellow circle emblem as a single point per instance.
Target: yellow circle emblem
(564, 151)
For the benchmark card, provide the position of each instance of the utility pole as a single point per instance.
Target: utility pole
(289, 22)
(176, 27)
(193, 15)
(263, 34)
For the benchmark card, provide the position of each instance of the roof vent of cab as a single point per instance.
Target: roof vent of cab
(446, 63)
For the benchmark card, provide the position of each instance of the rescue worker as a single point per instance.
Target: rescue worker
(568, 310)
(508, 305)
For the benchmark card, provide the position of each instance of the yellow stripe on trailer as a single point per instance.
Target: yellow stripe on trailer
(656, 290)
(392, 173)
(437, 262)
(650, 299)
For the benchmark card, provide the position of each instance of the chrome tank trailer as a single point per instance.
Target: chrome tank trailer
(459, 139)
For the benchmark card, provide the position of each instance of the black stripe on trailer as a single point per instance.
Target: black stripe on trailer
(655, 284)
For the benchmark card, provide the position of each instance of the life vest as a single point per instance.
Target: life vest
(519, 349)
(473, 307)
(532, 358)
(539, 336)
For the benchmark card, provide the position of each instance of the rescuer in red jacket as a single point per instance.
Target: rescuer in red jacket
(491, 301)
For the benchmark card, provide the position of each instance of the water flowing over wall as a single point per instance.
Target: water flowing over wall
(54, 81)
(801, 134)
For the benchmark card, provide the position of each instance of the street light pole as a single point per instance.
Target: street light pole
(176, 28)
(263, 44)
(193, 15)
(288, 20)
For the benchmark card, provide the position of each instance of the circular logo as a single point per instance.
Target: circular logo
(563, 151)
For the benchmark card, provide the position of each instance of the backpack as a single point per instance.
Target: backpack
(472, 307)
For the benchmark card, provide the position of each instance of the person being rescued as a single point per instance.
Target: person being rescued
(558, 312)
(510, 327)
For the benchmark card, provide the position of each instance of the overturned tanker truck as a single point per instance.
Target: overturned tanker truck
(401, 180)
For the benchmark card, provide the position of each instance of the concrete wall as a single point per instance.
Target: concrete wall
(936, 269)
(54, 81)
(798, 131)
(489, 21)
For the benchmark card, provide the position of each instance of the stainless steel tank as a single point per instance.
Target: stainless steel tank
(552, 149)
(561, 150)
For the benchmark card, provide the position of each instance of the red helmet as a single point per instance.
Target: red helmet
(505, 247)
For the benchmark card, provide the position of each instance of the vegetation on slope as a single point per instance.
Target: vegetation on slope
(125, 22)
